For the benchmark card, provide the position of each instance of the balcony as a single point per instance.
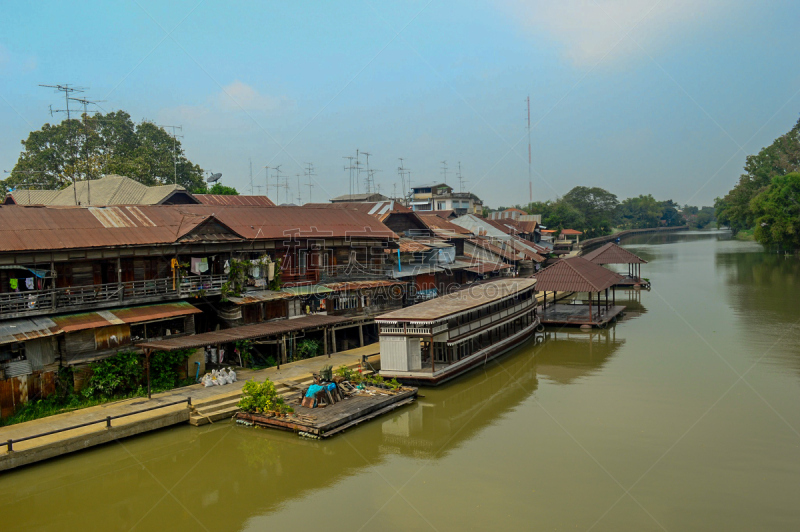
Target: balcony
(57, 300)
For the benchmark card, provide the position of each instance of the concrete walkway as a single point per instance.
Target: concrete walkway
(37, 449)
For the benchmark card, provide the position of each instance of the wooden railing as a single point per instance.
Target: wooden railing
(58, 299)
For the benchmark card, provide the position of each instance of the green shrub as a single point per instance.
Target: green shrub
(308, 348)
(261, 398)
(114, 375)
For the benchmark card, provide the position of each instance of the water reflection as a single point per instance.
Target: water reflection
(569, 355)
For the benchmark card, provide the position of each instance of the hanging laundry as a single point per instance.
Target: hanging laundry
(226, 268)
(13, 283)
(195, 263)
(203, 266)
(29, 283)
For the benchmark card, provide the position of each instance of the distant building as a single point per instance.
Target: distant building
(368, 197)
(512, 213)
(440, 197)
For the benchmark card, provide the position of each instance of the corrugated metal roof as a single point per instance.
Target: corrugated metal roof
(233, 200)
(23, 329)
(42, 228)
(409, 245)
(442, 227)
(307, 290)
(373, 208)
(576, 274)
(92, 320)
(247, 332)
(358, 285)
(460, 301)
(258, 296)
(108, 190)
(613, 254)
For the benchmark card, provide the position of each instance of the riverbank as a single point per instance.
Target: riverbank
(176, 406)
(600, 240)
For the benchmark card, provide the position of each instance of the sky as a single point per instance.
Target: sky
(638, 97)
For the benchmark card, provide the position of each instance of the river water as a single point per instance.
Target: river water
(684, 416)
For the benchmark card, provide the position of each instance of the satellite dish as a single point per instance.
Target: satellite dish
(213, 178)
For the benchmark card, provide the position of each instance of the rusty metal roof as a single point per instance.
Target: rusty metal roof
(613, 254)
(571, 232)
(442, 227)
(457, 302)
(23, 329)
(234, 201)
(576, 274)
(258, 296)
(247, 332)
(483, 267)
(24, 228)
(104, 318)
(358, 285)
(373, 208)
(500, 252)
(409, 245)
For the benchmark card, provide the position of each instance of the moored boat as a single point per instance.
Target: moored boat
(435, 341)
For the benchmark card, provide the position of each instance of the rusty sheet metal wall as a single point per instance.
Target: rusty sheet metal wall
(17, 391)
(112, 337)
(40, 352)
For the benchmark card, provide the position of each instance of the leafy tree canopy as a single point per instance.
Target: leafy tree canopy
(778, 159)
(777, 212)
(598, 207)
(219, 188)
(103, 144)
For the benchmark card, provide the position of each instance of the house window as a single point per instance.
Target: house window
(440, 205)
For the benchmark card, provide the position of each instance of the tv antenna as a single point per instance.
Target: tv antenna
(174, 150)
(444, 171)
(86, 103)
(251, 175)
(299, 199)
(369, 175)
(309, 171)
(351, 168)
(67, 89)
(461, 179)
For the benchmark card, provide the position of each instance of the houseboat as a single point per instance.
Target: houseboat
(437, 340)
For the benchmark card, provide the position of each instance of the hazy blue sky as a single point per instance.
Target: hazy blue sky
(634, 96)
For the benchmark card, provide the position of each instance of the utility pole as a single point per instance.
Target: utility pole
(530, 177)
(175, 150)
(309, 172)
(67, 90)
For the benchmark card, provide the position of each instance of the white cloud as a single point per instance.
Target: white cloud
(241, 96)
(591, 30)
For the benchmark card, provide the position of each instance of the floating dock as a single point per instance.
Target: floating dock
(324, 422)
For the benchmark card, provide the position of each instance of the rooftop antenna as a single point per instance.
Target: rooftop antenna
(309, 172)
(251, 175)
(299, 199)
(213, 178)
(369, 176)
(277, 182)
(86, 103)
(266, 182)
(351, 168)
(371, 179)
(175, 150)
(285, 186)
(461, 179)
(444, 171)
(530, 178)
(67, 89)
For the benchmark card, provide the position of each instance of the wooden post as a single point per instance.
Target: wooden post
(614, 295)
(430, 351)
(591, 317)
(119, 279)
(333, 339)
(53, 283)
(361, 334)
(147, 366)
(325, 341)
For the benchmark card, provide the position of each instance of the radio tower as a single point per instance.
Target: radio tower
(530, 179)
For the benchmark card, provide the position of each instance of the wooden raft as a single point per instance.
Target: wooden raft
(332, 419)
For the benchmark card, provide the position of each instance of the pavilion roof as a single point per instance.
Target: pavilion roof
(613, 254)
(576, 274)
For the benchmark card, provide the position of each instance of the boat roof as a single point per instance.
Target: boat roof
(454, 303)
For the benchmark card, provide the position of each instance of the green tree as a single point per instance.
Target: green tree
(780, 158)
(557, 214)
(598, 207)
(103, 144)
(640, 212)
(219, 188)
(777, 212)
(670, 215)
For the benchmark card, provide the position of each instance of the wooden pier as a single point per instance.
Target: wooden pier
(564, 314)
(324, 422)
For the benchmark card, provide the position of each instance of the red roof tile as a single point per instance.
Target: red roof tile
(576, 274)
(613, 254)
